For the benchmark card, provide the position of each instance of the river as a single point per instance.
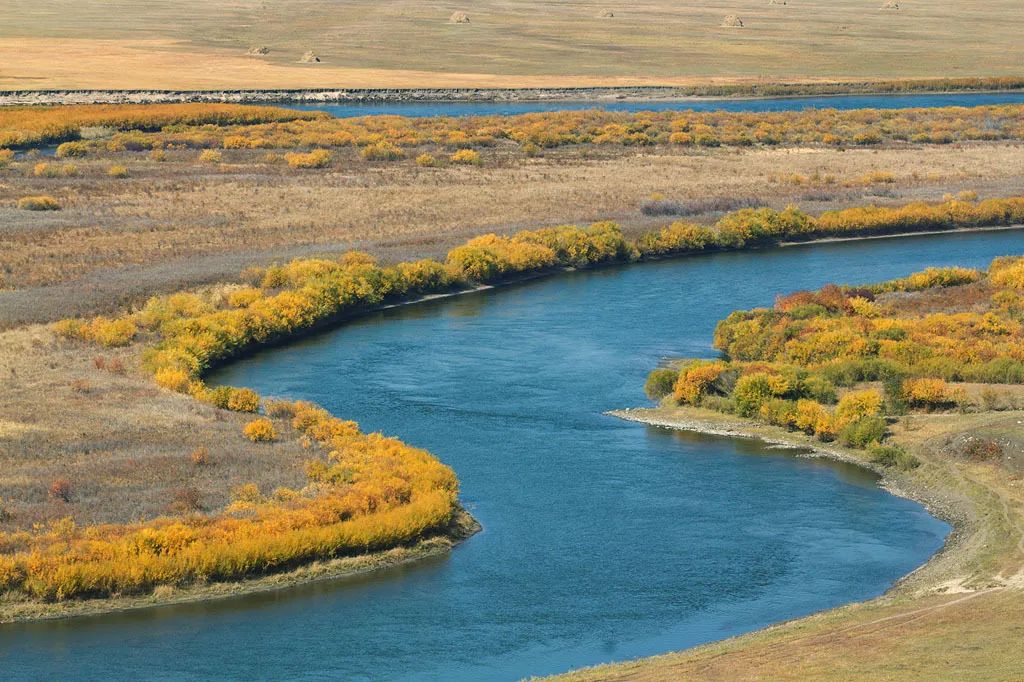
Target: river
(603, 540)
(842, 102)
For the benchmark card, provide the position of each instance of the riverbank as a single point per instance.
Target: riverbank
(959, 611)
(462, 526)
(597, 94)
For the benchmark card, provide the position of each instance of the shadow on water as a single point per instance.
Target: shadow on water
(753, 447)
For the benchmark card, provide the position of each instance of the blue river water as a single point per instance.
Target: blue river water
(842, 102)
(603, 540)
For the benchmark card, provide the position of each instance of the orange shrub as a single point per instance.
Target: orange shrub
(243, 400)
(928, 392)
(318, 158)
(38, 203)
(260, 431)
(173, 379)
(467, 157)
(694, 381)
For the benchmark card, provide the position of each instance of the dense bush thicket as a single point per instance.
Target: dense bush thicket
(385, 138)
(833, 362)
(34, 125)
(548, 130)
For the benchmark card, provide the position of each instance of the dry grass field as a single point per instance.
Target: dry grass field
(132, 44)
(124, 446)
(179, 222)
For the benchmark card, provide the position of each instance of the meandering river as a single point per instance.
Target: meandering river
(603, 540)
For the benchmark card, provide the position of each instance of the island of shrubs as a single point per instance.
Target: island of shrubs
(835, 363)
(373, 492)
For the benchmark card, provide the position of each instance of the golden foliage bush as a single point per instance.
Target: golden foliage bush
(243, 400)
(118, 171)
(72, 149)
(467, 157)
(928, 392)
(856, 405)
(173, 379)
(1008, 272)
(39, 202)
(318, 158)
(244, 296)
(260, 430)
(382, 151)
(426, 161)
(209, 156)
(695, 380)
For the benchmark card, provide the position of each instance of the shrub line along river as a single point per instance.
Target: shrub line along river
(603, 539)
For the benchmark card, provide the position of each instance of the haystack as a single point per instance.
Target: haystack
(258, 51)
(459, 18)
(310, 58)
(607, 14)
(732, 21)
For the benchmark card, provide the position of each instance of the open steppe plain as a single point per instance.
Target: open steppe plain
(132, 44)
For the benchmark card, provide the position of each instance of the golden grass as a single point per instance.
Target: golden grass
(64, 44)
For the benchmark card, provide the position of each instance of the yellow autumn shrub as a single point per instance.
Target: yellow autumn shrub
(244, 400)
(695, 380)
(928, 392)
(466, 157)
(318, 158)
(173, 379)
(260, 430)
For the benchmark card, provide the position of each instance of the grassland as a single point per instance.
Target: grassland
(59, 44)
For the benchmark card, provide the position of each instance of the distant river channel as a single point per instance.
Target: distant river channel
(842, 102)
